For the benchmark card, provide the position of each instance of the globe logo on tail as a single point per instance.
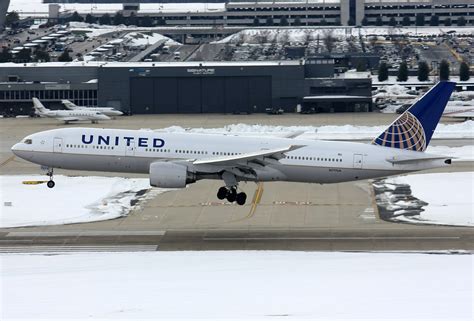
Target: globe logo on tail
(405, 133)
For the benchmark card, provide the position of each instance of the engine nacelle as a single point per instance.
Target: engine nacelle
(170, 175)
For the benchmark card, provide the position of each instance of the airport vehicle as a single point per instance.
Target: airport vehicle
(174, 160)
(68, 116)
(108, 111)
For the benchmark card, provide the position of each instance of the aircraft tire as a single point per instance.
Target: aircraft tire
(50, 184)
(222, 193)
(241, 198)
(232, 195)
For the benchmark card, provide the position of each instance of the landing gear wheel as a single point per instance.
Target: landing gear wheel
(232, 195)
(241, 198)
(222, 193)
(50, 184)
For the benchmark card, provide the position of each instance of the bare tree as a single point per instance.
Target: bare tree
(329, 40)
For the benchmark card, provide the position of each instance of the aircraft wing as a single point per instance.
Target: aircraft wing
(261, 157)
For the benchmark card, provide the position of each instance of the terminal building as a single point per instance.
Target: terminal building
(278, 12)
(187, 87)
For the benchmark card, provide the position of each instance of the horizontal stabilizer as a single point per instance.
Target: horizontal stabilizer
(421, 158)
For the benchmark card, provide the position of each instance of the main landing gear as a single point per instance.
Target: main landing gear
(231, 195)
(50, 183)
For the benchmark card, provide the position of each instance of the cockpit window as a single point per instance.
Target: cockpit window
(28, 141)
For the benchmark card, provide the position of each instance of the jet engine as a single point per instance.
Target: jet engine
(170, 175)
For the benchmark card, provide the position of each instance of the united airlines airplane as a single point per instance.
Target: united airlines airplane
(173, 160)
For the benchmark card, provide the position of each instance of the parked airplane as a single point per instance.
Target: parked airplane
(68, 116)
(108, 111)
(175, 159)
(463, 110)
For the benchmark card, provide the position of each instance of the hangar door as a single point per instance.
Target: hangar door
(200, 94)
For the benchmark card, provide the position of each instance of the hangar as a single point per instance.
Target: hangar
(187, 87)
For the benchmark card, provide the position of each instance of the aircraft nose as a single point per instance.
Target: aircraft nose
(16, 149)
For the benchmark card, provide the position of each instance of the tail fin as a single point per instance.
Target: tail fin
(414, 128)
(68, 104)
(39, 107)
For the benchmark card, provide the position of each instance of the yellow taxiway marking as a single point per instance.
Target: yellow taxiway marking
(34, 182)
(8, 160)
(257, 197)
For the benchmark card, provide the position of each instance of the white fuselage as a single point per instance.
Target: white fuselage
(73, 115)
(108, 111)
(117, 150)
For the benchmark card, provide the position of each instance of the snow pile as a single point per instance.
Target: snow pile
(139, 39)
(72, 200)
(439, 198)
(255, 285)
(462, 153)
(344, 132)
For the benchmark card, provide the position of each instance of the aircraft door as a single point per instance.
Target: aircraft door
(58, 145)
(358, 161)
(130, 150)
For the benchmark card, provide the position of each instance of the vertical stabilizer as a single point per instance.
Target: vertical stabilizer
(69, 105)
(39, 107)
(414, 128)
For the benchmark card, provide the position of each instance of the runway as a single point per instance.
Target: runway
(281, 216)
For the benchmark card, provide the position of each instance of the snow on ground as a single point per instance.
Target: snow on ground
(289, 34)
(344, 132)
(238, 285)
(438, 198)
(73, 199)
(138, 39)
(461, 153)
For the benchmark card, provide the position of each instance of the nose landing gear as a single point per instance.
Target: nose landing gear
(50, 183)
(231, 195)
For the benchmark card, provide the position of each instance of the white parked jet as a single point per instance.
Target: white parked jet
(108, 111)
(68, 116)
(175, 159)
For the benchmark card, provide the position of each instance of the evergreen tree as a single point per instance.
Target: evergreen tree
(420, 19)
(406, 21)
(24, 55)
(297, 21)
(256, 22)
(269, 21)
(383, 71)
(105, 19)
(90, 18)
(361, 65)
(132, 20)
(119, 19)
(392, 22)
(423, 71)
(444, 70)
(12, 18)
(379, 21)
(403, 72)
(365, 22)
(464, 71)
(41, 55)
(351, 22)
(461, 21)
(146, 21)
(64, 56)
(447, 22)
(76, 17)
(283, 21)
(5, 55)
(434, 20)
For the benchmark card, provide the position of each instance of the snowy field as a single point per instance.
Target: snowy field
(438, 198)
(73, 199)
(237, 285)
(337, 132)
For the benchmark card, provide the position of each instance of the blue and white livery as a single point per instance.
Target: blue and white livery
(173, 160)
